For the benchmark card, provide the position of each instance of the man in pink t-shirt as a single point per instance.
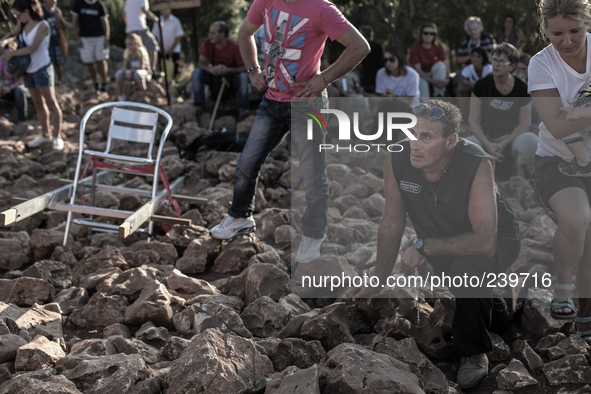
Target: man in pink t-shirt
(295, 33)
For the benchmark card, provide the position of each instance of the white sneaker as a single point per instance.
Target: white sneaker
(39, 141)
(229, 227)
(310, 249)
(58, 144)
(121, 98)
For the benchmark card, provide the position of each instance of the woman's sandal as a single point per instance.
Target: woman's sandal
(563, 302)
(584, 334)
(572, 168)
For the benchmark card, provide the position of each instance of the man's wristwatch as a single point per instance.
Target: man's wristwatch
(420, 247)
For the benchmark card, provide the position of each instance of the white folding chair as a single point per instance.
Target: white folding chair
(133, 123)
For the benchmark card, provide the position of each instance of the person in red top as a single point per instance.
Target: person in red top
(219, 57)
(427, 56)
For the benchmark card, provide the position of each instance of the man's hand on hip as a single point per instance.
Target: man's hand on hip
(258, 80)
(312, 87)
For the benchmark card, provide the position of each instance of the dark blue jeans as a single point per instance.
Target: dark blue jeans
(19, 95)
(273, 121)
(239, 82)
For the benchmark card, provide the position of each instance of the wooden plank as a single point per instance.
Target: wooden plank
(157, 5)
(38, 204)
(143, 214)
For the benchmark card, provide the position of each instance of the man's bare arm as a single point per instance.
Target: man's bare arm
(356, 48)
(482, 210)
(248, 51)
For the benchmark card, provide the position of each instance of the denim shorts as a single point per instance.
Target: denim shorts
(40, 78)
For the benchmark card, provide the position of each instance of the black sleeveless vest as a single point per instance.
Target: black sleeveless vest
(450, 216)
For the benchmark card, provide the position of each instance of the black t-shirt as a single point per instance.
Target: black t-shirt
(500, 113)
(449, 216)
(89, 17)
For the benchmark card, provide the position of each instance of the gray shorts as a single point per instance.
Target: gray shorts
(148, 40)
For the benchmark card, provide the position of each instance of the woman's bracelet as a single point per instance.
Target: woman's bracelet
(252, 68)
(324, 79)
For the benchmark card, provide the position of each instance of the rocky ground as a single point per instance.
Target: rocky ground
(191, 314)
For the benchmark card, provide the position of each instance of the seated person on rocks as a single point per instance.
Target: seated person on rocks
(479, 69)
(428, 57)
(476, 38)
(13, 88)
(500, 116)
(219, 57)
(136, 65)
(463, 225)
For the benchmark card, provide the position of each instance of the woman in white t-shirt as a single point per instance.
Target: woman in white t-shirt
(396, 79)
(559, 76)
(479, 68)
(39, 77)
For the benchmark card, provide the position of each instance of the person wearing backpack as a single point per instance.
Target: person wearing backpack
(39, 76)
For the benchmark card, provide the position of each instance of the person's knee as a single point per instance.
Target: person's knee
(196, 75)
(575, 226)
(120, 76)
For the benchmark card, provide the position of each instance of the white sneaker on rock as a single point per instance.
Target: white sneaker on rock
(40, 141)
(310, 249)
(58, 144)
(230, 227)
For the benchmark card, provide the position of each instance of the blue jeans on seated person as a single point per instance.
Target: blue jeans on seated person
(272, 123)
(20, 94)
(239, 82)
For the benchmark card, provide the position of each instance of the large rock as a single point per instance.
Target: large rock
(330, 326)
(406, 351)
(374, 205)
(536, 318)
(173, 348)
(45, 382)
(500, 351)
(268, 221)
(89, 349)
(117, 374)
(155, 253)
(43, 242)
(71, 298)
(26, 291)
(129, 283)
(12, 253)
(54, 272)
(102, 310)
(91, 281)
(265, 280)
(40, 353)
(33, 321)
(264, 317)
(152, 335)
(9, 344)
(515, 377)
(208, 313)
(236, 253)
(187, 287)
(108, 257)
(131, 346)
(569, 369)
(574, 344)
(152, 305)
(199, 254)
(294, 381)
(297, 352)
(524, 353)
(217, 362)
(352, 368)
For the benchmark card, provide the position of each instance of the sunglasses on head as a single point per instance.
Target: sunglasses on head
(435, 112)
(429, 33)
(390, 59)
